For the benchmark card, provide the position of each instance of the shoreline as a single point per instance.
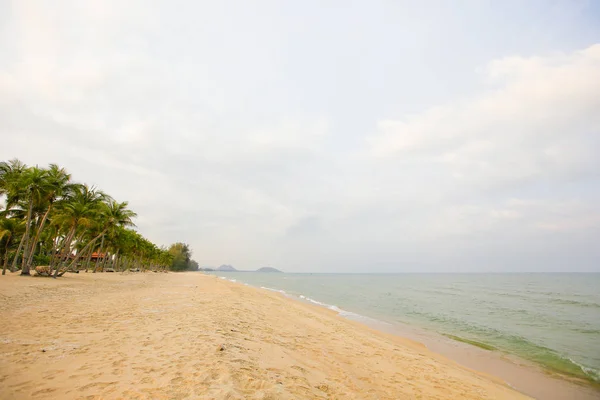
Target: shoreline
(184, 335)
(520, 374)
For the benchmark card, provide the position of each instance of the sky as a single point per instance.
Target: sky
(322, 136)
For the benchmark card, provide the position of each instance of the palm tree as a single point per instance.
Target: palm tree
(10, 172)
(24, 188)
(47, 217)
(79, 210)
(58, 185)
(11, 177)
(10, 229)
(111, 216)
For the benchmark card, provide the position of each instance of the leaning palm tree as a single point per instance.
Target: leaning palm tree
(10, 172)
(31, 188)
(12, 179)
(46, 218)
(75, 212)
(58, 186)
(112, 215)
(10, 229)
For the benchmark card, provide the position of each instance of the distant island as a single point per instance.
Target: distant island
(230, 268)
(268, 269)
(227, 268)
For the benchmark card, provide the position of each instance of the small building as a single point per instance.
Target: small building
(98, 256)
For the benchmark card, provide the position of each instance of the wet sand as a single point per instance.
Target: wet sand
(189, 335)
(524, 376)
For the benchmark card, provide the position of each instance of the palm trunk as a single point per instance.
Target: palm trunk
(79, 253)
(64, 247)
(54, 250)
(105, 260)
(115, 263)
(14, 263)
(21, 243)
(25, 238)
(88, 261)
(5, 258)
(68, 246)
(37, 236)
(98, 255)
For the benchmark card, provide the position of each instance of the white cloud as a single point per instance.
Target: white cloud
(246, 133)
(540, 119)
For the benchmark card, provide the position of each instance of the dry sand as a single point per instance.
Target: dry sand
(189, 336)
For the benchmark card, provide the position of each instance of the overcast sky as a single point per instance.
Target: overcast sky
(333, 136)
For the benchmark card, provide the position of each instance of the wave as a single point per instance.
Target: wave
(587, 331)
(482, 345)
(541, 355)
(490, 338)
(273, 290)
(329, 306)
(341, 312)
(445, 292)
(593, 373)
(577, 303)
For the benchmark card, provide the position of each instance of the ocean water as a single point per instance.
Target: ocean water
(550, 319)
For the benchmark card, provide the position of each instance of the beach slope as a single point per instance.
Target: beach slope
(189, 335)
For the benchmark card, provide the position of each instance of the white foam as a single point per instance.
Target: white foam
(339, 311)
(329, 306)
(344, 313)
(273, 290)
(587, 370)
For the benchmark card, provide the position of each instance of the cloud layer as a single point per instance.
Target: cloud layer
(321, 139)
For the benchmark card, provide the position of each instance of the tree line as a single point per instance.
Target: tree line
(54, 224)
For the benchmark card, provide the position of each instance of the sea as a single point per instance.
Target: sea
(552, 320)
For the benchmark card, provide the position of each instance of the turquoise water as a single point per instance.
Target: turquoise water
(551, 319)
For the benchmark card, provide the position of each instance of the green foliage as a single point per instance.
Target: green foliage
(181, 254)
(48, 219)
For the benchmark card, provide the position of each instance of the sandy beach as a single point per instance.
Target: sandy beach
(189, 335)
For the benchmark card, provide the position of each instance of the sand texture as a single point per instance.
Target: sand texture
(193, 336)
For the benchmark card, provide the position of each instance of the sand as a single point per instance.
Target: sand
(189, 336)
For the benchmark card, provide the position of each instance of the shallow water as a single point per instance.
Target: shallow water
(550, 319)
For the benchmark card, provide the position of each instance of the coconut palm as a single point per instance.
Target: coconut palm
(46, 218)
(111, 215)
(78, 210)
(59, 185)
(10, 229)
(36, 184)
(10, 173)
(24, 188)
